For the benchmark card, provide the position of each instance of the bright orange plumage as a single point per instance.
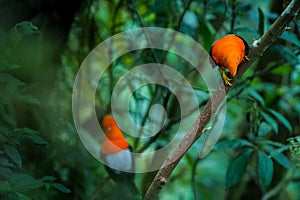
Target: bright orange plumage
(115, 151)
(115, 141)
(228, 52)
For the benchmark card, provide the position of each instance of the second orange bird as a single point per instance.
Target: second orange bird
(228, 52)
(116, 152)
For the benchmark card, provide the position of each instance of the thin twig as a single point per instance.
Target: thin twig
(233, 16)
(183, 13)
(193, 179)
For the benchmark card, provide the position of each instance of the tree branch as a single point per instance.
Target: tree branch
(277, 28)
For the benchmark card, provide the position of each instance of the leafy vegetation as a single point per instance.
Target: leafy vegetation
(16, 182)
(41, 155)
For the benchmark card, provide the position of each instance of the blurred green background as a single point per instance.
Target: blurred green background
(43, 43)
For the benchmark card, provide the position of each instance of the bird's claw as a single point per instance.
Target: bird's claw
(226, 79)
(246, 58)
(227, 82)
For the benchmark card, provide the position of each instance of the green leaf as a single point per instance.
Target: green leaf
(261, 24)
(256, 96)
(23, 196)
(264, 129)
(4, 186)
(32, 135)
(26, 28)
(278, 156)
(22, 182)
(282, 70)
(5, 65)
(264, 169)
(12, 66)
(36, 139)
(282, 119)
(5, 172)
(13, 154)
(237, 168)
(48, 178)
(232, 144)
(61, 188)
(10, 80)
(275, 144)
(27, 98)
(286, 53)
(5, 163)
(270, 121)
(28, 131)
(290, 37)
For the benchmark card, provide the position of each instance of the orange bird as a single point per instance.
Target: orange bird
(115, 141)
(228, 52)
(115, 150)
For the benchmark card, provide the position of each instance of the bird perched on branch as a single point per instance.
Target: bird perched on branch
(115, 151)
(228, 52)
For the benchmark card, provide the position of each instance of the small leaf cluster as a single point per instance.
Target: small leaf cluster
(255, 155)
(295, 150)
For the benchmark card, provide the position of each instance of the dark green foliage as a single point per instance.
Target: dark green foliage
(41, 155)
(237, 168)
(15, 181)
(264, 169)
